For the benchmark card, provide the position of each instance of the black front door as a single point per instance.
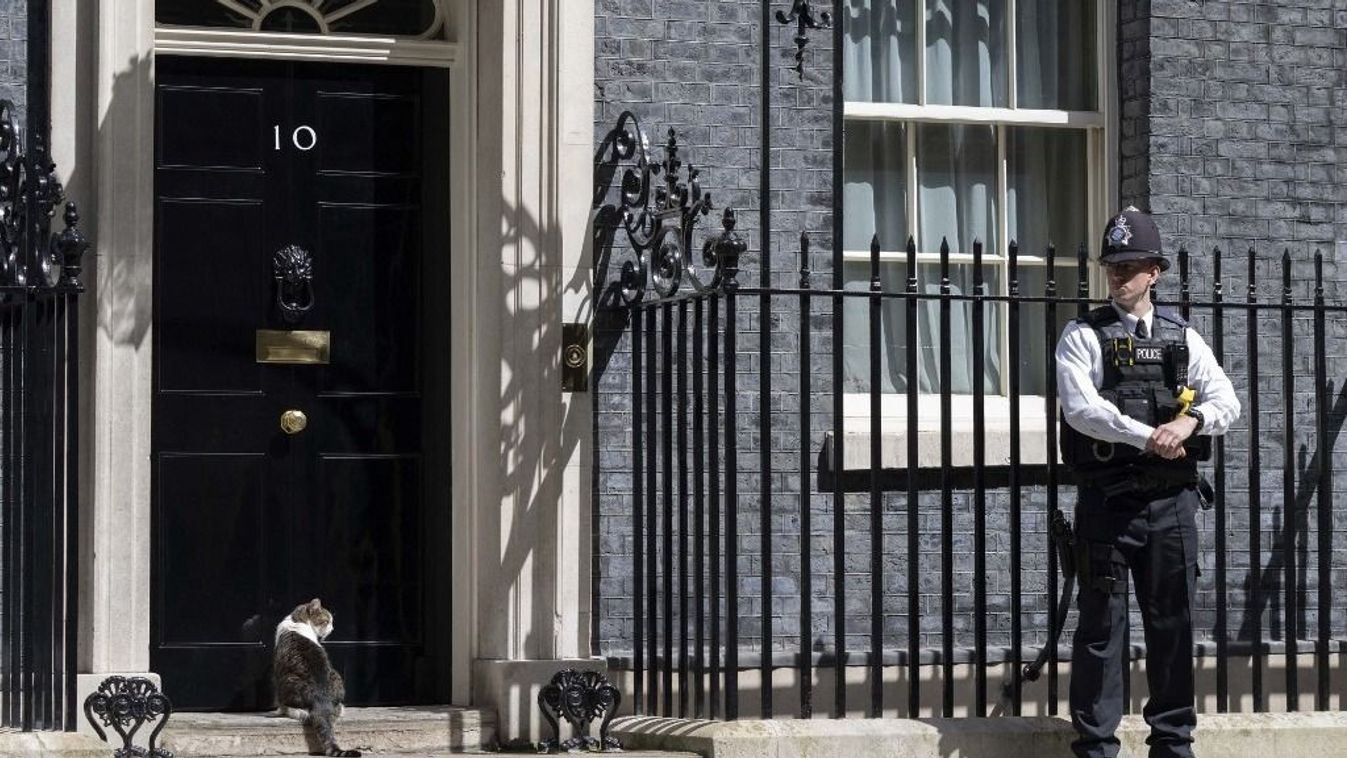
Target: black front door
(250, 518)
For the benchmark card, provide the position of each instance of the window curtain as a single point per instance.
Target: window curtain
(856, 352)
(956, 173)
(1047, 190)
(892, 351)
(956, 176)
(879, 48)
(874, 186)
(966, 53)
(960, 338)
(1055, 50)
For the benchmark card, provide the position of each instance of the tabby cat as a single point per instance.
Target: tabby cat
(308, 689)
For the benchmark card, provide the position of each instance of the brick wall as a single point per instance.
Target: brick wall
(1134, 99)
(14, 54)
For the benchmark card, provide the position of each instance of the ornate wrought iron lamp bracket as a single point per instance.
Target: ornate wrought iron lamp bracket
(660, 207)
(802, 14)
(30, 193)
(579, 697)
(126, 705)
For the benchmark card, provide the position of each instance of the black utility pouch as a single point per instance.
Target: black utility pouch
(1137, 403)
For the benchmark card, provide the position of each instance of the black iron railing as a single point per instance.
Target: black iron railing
(39, 426)
(39, 414)
(686, 502)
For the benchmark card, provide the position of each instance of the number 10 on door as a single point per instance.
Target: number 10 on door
(304, 138)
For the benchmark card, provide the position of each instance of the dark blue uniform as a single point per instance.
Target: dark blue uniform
(1135, 519)
(1120, 373)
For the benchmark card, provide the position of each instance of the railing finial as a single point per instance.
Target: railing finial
(874, 263)
(1286, 275)
(1318, 276)
(71, 245)
(1217, 286)
(979, 286)
(911, 264)
(1253, 273)
(804, 260)
(725, 250)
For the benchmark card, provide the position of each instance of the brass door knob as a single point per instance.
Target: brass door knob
(293, 422)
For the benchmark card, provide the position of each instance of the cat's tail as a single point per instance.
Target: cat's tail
(322, 719)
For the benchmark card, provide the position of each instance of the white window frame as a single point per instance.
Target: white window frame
(1101, 127)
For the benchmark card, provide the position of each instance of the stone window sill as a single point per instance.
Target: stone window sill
(995, 429)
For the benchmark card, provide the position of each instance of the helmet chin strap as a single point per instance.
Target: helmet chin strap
(1140, 307)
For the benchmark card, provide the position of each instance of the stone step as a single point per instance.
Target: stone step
(623, 754)
(407, 730)
(1218, 735)
(16, 744)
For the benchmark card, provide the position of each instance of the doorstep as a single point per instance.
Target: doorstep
(425, 732)
(406, 730)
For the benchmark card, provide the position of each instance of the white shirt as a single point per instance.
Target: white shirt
(1080, 371)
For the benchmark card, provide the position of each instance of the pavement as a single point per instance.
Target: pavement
(1227, 735)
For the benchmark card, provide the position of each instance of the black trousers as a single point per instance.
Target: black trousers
(1155, 541)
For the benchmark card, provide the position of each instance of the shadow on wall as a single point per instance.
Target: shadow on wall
(521, 547)
(1272, 574)
(532, 314)
(524, 552)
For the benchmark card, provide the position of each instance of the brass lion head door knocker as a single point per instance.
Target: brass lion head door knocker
(292, 267)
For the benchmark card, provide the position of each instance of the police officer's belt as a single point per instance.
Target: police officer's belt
(1139, 479)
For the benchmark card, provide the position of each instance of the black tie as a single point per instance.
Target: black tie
(1142, 332)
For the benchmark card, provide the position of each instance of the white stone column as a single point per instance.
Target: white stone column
(535, 167)
(117, 573)
(102, 142)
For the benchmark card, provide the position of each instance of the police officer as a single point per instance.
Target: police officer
(1141, 393)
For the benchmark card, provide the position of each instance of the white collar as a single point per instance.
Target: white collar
(302, 629)
(1130, 321)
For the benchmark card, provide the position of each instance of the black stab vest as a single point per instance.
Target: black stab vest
(1140, 377)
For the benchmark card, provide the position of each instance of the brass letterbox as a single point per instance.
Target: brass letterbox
(293, 346)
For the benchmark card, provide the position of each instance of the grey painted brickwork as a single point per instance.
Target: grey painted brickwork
(14, 54)
(1230, 131)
